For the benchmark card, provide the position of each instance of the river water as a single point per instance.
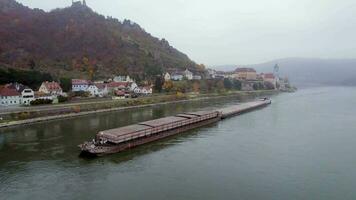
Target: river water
(300, 147)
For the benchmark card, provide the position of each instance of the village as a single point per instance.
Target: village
(123, 87)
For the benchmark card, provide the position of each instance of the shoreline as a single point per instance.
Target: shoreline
(16, 123)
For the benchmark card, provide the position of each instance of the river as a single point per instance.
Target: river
(300, 147)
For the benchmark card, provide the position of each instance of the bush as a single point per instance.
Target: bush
(23, 115)
(81, 94)
(41, 102)
(62, 99)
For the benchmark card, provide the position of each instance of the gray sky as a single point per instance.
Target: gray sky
(239, 31)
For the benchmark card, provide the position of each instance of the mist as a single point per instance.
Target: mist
(238, 31)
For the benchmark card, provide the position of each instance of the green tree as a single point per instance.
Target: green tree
(158, 84)
(227, 84)
(66, 84)
(236, 84)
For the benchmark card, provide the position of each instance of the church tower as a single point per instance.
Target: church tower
(84, 3)
(276, 71)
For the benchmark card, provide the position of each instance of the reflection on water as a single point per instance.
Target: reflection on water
(300, 147)
(59, 139)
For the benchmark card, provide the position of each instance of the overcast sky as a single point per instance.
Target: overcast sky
(218, 32)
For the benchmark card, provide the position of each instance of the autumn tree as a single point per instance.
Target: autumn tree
(196, 86)
(168, 86)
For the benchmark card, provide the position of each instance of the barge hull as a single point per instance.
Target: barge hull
(134, 143)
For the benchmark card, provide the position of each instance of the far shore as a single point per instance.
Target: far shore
(31, 117)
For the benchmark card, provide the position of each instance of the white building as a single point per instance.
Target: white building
(27, 95)
(212, 73)
(9, 97)
(177, 77)
(167, 77)
(52, 88)
(122, 79)
(93, 90)
(197, 77)
(80, 85)
(143, 90)
(132, 86)
(188, 74)
(102, 89)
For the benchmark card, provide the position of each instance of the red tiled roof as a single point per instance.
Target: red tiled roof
(80, 82)
(100, 85)
(118, 84)
(52, 86)
(245, 70)
(269, 76)
(9, 92)
(120, 93)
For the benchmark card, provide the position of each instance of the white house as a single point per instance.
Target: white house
(27, 95)
(197, 77)
(167, 77)
(212, 73)
(188, 74)
(122, 79)
(143, 90)
(93, 90)
(9, 97)
(102, 89)
(132, 86)
(80, 85)
(52, 88)
(177, 77)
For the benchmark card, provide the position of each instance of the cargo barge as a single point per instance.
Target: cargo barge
(120, 139)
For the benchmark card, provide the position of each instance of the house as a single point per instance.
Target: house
(102, 89)
(52, 88)
(269, 77)
(9, 97)
(212, 73)
(244, 74)
(122, 79)
(146, 90)
(80, 85)
(43, 96)
(132, 86)
(27, 95)
(247, 86)
(220, 75)
(177, 76)
(167, 77)
(113, 86)
(188, 74)
(93, 90)
(119, 95)
(197, 77)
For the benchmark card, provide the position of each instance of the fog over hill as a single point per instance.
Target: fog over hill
(309, 71)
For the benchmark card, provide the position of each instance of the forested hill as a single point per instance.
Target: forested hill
(76, 41)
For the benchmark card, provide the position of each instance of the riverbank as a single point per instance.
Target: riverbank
(77, 110)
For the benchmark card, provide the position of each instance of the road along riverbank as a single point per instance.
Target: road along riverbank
(70, 111)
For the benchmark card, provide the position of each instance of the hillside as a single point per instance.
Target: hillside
(76, 41)
(311, 71)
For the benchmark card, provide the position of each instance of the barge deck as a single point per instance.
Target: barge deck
(120, 139)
